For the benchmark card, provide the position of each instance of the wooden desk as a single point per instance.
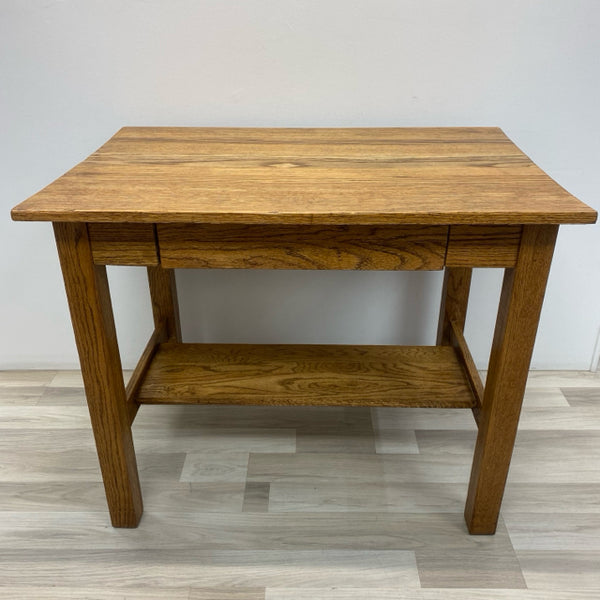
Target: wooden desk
(393, 199)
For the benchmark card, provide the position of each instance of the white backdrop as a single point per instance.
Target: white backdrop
(73, 72)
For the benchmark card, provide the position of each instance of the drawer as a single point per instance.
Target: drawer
(349, 247)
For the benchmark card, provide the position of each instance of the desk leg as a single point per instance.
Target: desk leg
(91, 313)
(163, 293)
(518, 313)
(455, 297)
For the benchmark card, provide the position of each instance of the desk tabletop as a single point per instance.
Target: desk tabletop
(294, 176)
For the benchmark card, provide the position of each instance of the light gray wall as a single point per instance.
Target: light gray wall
(73, 72)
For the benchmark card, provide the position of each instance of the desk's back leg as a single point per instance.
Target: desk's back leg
(165, 307)
(520, 305)
(455, 298)
(91, 313)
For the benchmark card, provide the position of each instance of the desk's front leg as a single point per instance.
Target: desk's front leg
(91, 313)
(518, 314)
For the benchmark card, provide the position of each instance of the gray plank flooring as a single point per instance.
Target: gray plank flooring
(295, 503)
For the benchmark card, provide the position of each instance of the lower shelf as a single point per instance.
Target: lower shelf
(428, 376)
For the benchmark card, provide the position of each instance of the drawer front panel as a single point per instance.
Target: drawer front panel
(302, 247)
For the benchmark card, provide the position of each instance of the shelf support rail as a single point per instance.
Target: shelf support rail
(159, 335)
(459, 343)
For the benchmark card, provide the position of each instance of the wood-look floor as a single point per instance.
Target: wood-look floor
(297, 503)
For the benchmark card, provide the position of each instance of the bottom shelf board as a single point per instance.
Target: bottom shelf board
(329, 375)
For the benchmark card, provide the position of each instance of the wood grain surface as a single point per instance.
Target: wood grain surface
(356, 247)
(311, 176)
(306, 375)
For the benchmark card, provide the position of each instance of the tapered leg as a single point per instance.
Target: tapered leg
(165, 307)
(520, 305)
(455, 298)
(91, 313)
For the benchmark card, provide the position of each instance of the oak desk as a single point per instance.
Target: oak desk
(393, 199)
